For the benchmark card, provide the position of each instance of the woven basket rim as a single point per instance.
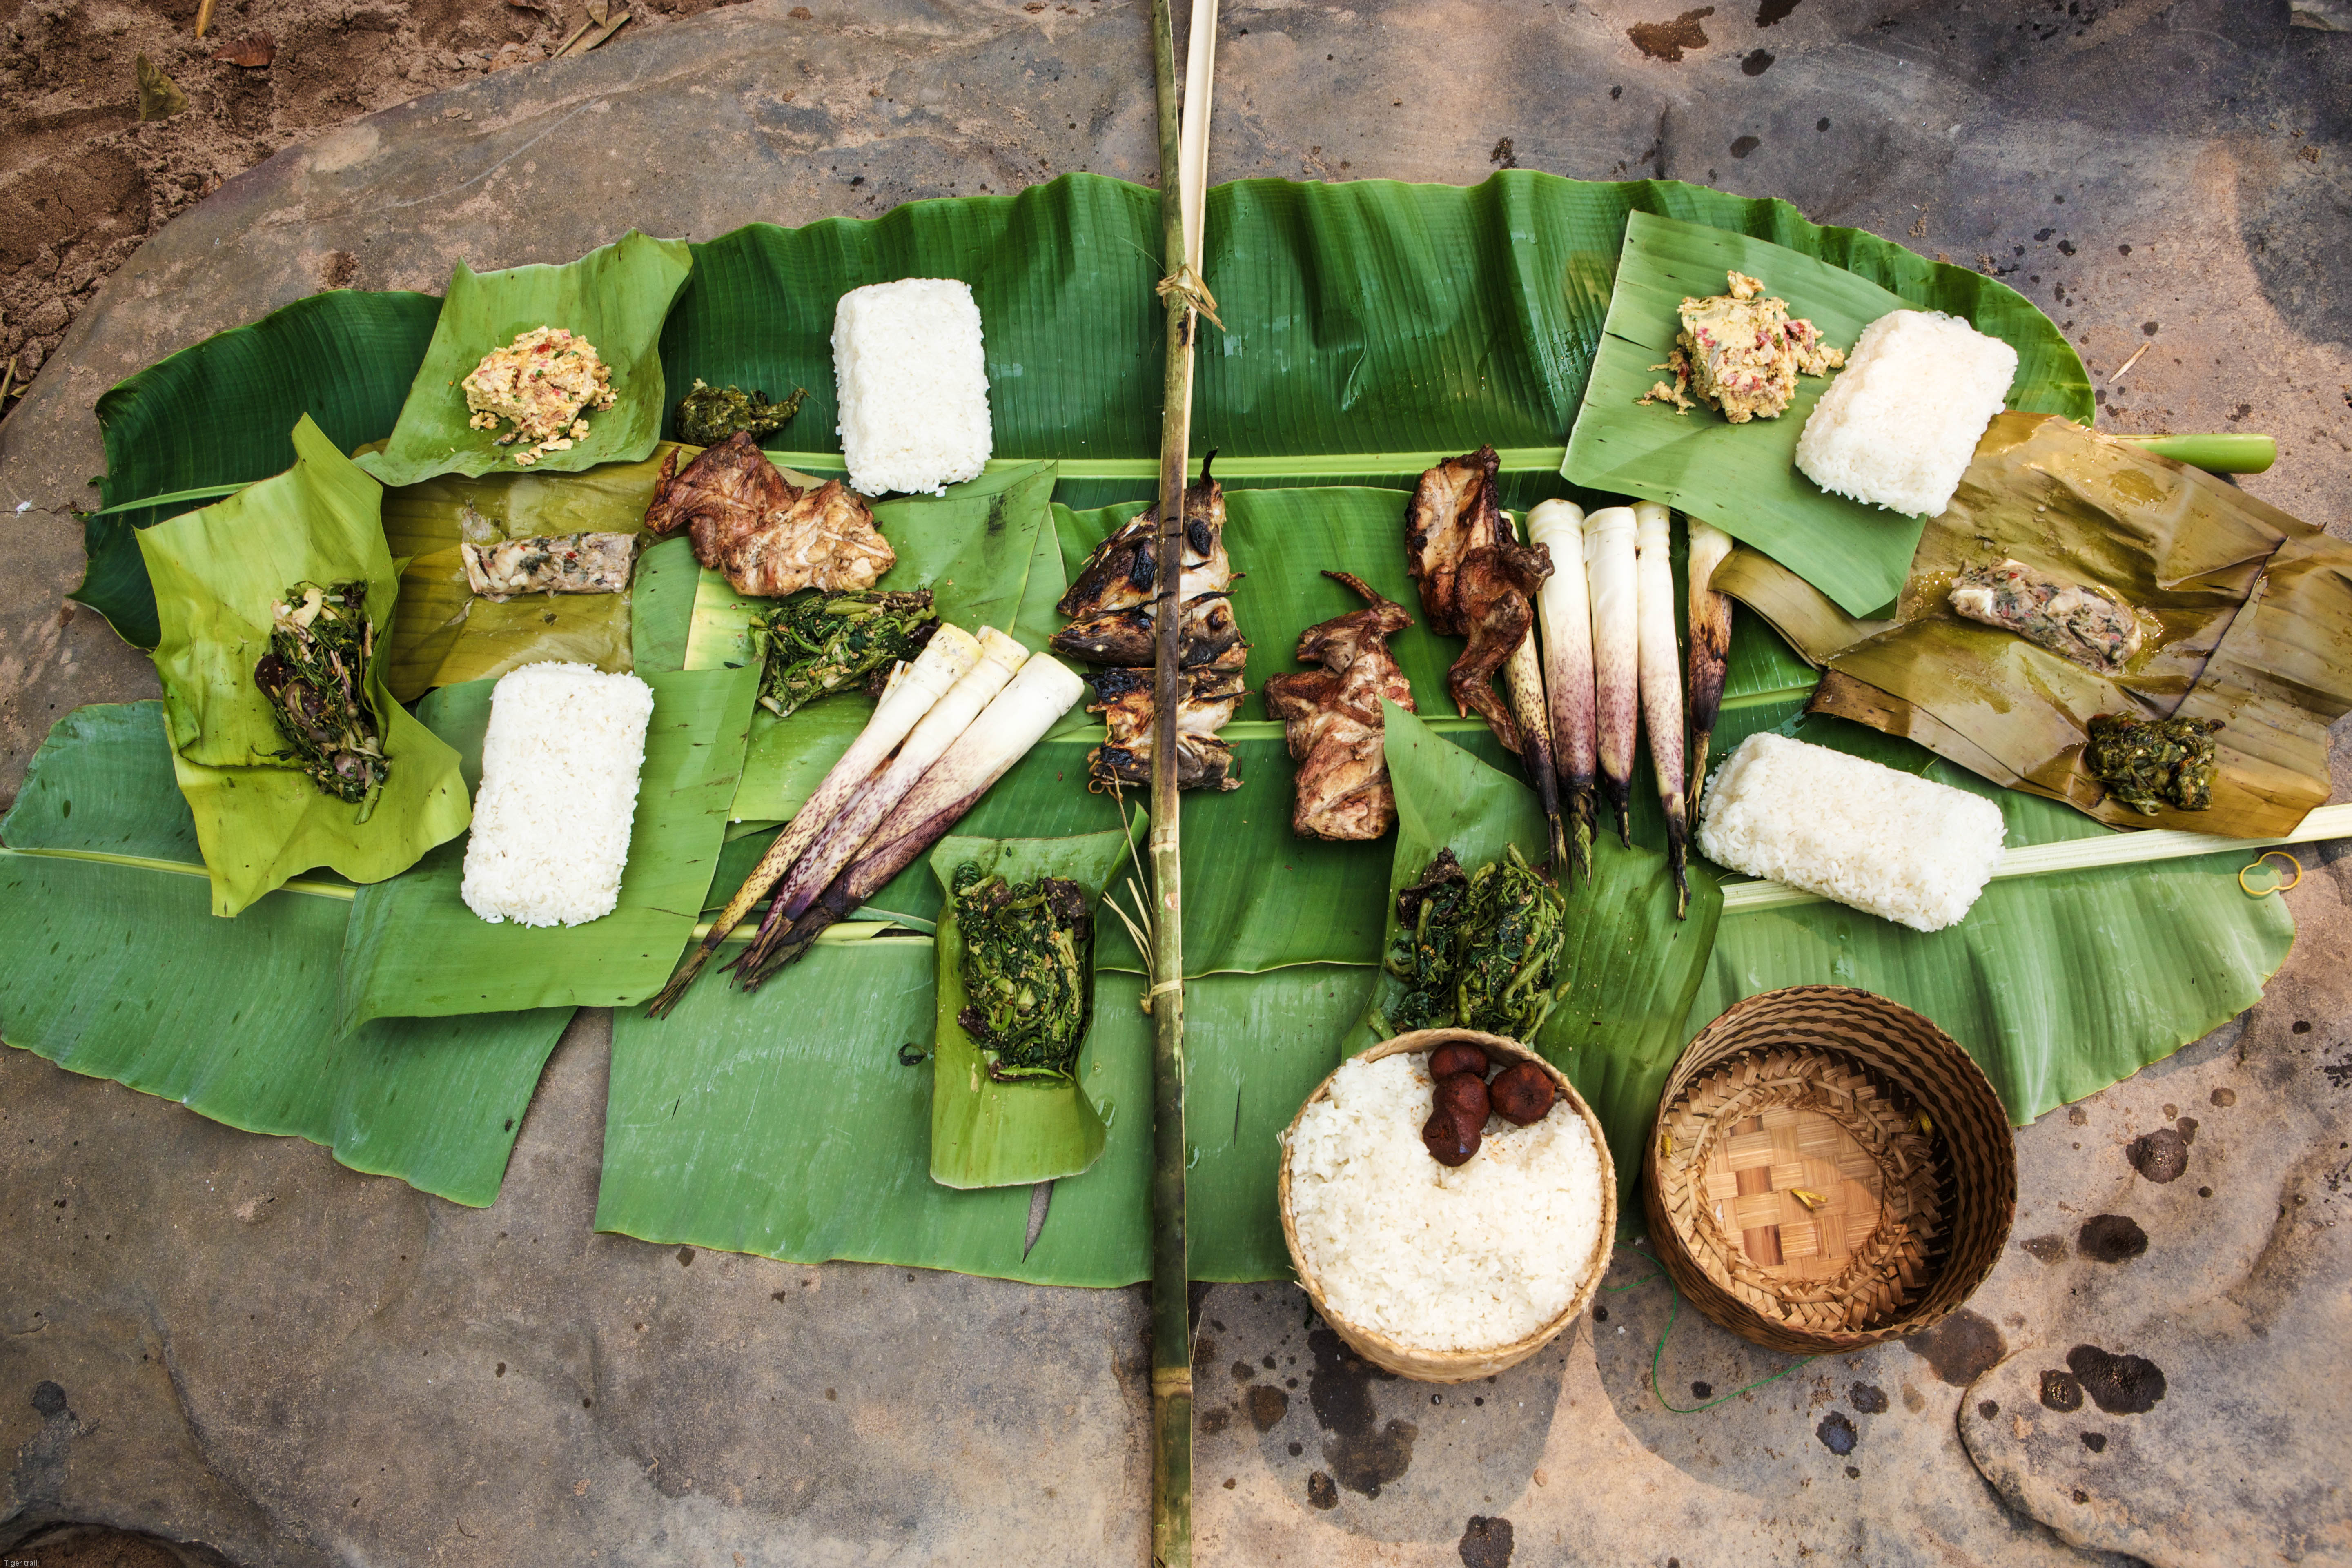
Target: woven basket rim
(1448, 1366)
(1992, 1183)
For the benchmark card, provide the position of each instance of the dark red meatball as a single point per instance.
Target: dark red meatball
(1522, 1094)
(1457, 1058)
(1451, 1139)
(1464, 1094)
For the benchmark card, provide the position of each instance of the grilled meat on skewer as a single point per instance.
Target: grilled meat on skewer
(1122, 574)
(1332, 717)
(1202, 760)
(1209, 635)
(1495, 598)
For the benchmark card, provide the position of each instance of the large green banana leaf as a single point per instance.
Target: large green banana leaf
(661, 605)
(222, 413)
(217, 573)
(445, 635)
(618, 297)
(1630, 968)
(1372, 328)
(798, 1129)
(986, 1134)
(1743, 478)
(117, 969)
(415, 949)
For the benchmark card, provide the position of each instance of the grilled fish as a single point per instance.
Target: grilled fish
(1122, 572)
(1209, 635)
(1203, 762)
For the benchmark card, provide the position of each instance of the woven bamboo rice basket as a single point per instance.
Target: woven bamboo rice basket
(1457, 1366)
(1828, 1170)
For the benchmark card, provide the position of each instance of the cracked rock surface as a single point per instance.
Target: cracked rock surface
(228, 1340)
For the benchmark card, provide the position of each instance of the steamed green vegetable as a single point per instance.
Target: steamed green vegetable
(1028, 948)
(819, 642)
(709, 414)
(314, 676)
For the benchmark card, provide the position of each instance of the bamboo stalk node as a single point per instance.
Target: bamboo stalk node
(1187, 286)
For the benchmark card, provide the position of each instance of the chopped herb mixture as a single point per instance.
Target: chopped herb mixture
(709, 414)
(1027, 950)
(314, 675)
(1479, 951)
(1741, 355)
(2150, 764)
(818, 642)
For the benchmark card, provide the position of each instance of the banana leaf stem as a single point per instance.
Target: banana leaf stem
(2222, 454)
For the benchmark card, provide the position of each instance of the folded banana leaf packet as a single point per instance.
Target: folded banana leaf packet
(2246, 611)
(445, 635)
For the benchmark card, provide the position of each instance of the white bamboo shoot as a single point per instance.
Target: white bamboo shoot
(1662, 682)
(1710, 650)
(1564, 621)
(914, 689)
(1616, 655)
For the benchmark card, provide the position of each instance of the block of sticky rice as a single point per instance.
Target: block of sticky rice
(560, 766)
(912, 385)
(1466, 1258)
(1899, 425)
(1912, 850)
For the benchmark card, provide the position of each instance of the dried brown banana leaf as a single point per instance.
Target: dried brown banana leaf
(2248, 611)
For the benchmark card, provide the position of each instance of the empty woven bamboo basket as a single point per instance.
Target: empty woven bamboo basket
(1458, 1367)
(1828, 1170)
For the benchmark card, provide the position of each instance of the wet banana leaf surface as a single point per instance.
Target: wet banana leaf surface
(991, 1128)
(117, 969)
(2247, 615)
(617, 297)
(218, 573)
(1743, 478)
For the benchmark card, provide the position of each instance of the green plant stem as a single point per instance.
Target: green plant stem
(2225, 454)
(1171, 1327)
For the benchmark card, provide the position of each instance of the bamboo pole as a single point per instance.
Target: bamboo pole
(1171, 1327)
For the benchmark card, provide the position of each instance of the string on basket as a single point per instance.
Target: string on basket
(1657, 1355)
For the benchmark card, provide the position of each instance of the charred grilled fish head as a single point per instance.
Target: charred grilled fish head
(1122, 571)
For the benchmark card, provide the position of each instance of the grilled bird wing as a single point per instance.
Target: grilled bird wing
(1452, 512)
(1495, 588)
(822, 538)
(725, 491)
(1331, 718)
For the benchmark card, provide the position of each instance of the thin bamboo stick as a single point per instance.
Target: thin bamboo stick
(1171, 1273)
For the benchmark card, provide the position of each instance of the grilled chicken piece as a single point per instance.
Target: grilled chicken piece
(1123, 571)
(1209, 635)
(770, 537)
(1452, 512)
(1495, 591)
(1476, 581)
(727, 489)
(1203, 762)
(1331, 718)
(825, 538)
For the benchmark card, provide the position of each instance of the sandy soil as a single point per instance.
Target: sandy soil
(83, 182)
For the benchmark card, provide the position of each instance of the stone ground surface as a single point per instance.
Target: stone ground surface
(231, 1341)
